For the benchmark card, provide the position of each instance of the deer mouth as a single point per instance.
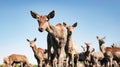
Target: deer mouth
(41, 30)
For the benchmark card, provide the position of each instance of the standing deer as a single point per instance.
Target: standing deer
(109, 52)
(16, 58)
(39, 53)
(71, 47)
(56, 34)
(96, 57)
(86, 55)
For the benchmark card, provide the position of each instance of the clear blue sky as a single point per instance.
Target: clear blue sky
(94, 17)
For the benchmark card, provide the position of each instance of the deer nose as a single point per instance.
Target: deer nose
(40, 29)
(70, 32)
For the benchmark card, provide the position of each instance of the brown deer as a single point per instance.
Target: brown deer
(113, 45)
(86, 55)
(84, 48)
(56, 34)
(39, 53)
(71, 47)
(16, 58)
(96, 57)
(109, 52)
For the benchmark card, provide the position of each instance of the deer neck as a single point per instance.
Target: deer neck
(102, 48)
(69, 40)
(50, 28)
(34, 49)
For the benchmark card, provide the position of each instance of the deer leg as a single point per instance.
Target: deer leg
(72, 60)
(38, 63)
(13, 64)
(111, 61)
(55, 62)
(59, 58)
(49, 51)
(21, 64)
(69, 59)
(49, 42)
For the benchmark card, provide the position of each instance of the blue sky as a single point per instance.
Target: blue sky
(94, 17)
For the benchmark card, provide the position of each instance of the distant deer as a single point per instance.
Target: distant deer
(109, 52)
(39, 53)
(56, 34)
(84, 48)
(71, 46)
(86, 55)
(113, 45)
(96, 57)
(16, 58)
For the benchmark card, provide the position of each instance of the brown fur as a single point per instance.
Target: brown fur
(16, 58)
(39, 53)
(56, 34)
(71, 47)
(109, 52)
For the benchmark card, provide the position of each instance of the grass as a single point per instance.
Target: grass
(0, 65)
(18, 66)
(35, 66)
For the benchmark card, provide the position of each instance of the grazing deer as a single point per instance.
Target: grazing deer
(109, 52)
(39, 53)
(56, 34)
(71, 47)
(16, 58)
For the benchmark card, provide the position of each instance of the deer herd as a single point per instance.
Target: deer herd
(62, 51)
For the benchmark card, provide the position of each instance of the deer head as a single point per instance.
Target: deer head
(42, 19)
(6, 60)
(101, 40)
(87, 46)
(70, 28)
(32, 42)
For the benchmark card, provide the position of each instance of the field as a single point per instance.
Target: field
(18, 66)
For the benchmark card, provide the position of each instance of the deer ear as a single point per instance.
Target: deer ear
(27, 40)
(93, 50)
(85, 43)
(64, 24)
(75, 24)
(104, 38)
(35, 39)
(34, 14)
(97, 37)
(51, 14)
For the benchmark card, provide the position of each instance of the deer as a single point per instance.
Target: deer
(71, 46)
(113, 45)
(84, 48)
(56, 34)
(110, 53)
(96, 57)
(39, 53)
(86, 55)
(12, 59)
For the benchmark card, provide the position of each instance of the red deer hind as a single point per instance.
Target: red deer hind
(109, 52)
(16, 58)
(39, 53)
(71, 46)
(56, 34)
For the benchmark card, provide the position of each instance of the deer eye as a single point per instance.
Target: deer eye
(46, 19)
(37, 17)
